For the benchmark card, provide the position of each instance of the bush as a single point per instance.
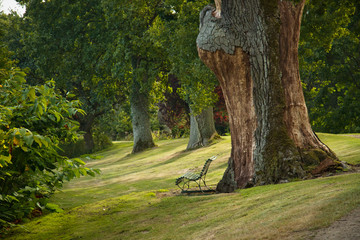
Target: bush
(73, 149)
(116, 124)
(78, 148)
(33, 121)
(101, 141)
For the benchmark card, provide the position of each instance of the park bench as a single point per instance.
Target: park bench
(190, 176)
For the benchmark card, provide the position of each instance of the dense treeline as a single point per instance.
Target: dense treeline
(91, 50)
(330, 64)
(127, 69)
(113, 56)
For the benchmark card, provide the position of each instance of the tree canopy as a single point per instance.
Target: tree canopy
(329, 64)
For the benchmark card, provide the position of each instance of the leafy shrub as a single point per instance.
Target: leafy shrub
(101, 141)
(116, 124)
(79, 148)
(33, 121)
(73, 149)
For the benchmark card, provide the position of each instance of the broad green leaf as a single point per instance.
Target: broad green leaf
(70, 95)
(69, 162)
(76, 172)
(83, 171)
(25, 149)
(40, 110)
(46, 141)
(6, 158)
(12, 198)
(38, 139)
(32, 94)
(22, 131)
(44, 104)
(57, 115)
(29, 139)
(78, 160)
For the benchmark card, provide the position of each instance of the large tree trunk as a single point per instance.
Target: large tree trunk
(139, 104)
(202, 129)
(252, 49)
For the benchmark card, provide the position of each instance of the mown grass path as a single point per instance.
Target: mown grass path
(135, 198)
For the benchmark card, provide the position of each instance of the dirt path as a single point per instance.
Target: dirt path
(347, 228)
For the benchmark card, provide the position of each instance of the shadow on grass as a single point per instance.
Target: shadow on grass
(172, 158)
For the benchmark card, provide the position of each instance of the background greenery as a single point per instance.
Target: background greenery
(329, 64)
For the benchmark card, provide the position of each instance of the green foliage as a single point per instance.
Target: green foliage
(33, 121)
(173, 111)
(70, 46)
(329, 65)
(101, 140)
(54, 208)
(323, 22)
(136, 50)
(116, 123)
(197, 81)
(102, 51)
(73, 149)
(155, 38)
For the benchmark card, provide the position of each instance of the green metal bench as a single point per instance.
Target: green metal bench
(183, 182)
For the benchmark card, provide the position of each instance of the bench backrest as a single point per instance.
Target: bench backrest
(206, 166)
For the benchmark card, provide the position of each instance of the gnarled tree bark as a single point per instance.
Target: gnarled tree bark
(252, 49)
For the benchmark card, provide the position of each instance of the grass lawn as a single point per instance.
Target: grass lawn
(135, 198)
(346, 146)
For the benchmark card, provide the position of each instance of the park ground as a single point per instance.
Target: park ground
(135, 197)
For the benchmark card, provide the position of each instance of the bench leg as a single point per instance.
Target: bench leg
(186, 183)
(183, 184)
(203, 179)
(198, 183)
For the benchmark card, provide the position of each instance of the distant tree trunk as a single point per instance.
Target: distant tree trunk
(139, 104)
(252, 48)
(86, 125)
(202, 129)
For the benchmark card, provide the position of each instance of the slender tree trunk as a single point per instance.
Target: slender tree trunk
(202, 129)
(139, 104)
(252, 49)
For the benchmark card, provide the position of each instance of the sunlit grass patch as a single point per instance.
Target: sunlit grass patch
(136, 198)
(157, 168)
(275, 211)
(346, 146)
